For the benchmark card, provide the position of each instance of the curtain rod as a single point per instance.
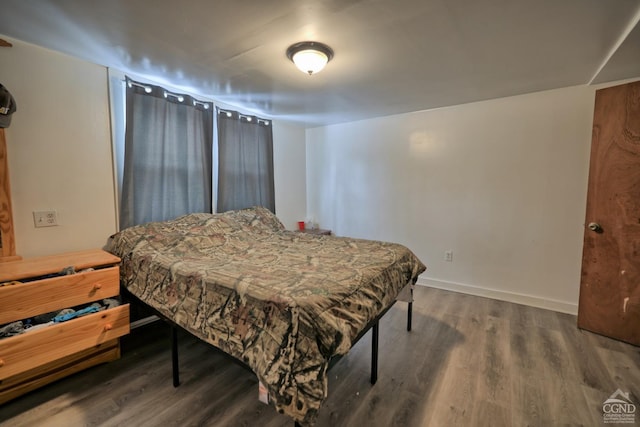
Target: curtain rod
(179, 97)
(249, 118)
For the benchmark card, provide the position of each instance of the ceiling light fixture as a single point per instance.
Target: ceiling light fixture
(310, 57)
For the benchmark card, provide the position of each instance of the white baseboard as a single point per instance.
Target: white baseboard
(549, 304)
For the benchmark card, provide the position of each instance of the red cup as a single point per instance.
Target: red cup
(300, 225)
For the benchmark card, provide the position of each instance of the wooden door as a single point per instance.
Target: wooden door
(610, 285)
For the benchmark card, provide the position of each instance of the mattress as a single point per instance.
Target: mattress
(282, 302)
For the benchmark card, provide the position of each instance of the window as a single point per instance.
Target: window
(245, 162)
(168, 161)
(167, 155)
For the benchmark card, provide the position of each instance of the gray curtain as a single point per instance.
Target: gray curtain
(168, 155)
(245, 162)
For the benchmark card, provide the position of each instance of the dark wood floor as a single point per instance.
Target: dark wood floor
(469, 361)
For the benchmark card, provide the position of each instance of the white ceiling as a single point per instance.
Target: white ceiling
(391, 56)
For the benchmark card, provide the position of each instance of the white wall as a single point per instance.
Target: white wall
(289, 163)
(59, 149)
(502, 183)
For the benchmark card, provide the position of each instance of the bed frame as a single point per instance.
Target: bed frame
(373, 326)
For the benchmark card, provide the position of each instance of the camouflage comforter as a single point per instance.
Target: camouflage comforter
(282, 302)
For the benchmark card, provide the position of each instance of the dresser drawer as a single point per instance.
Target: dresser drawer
(24, 300)
(32, 349)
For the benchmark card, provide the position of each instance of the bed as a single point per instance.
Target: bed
(284, 303)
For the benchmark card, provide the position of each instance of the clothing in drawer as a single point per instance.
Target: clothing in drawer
(23, 352)
(23, 300)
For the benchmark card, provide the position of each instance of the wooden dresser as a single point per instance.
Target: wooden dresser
(45, 354)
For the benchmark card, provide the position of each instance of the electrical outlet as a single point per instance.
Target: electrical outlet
(448, 255)
(45, 218)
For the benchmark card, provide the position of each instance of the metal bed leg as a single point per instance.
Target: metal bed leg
(374, 353)
(410, 311)
(174, 355)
